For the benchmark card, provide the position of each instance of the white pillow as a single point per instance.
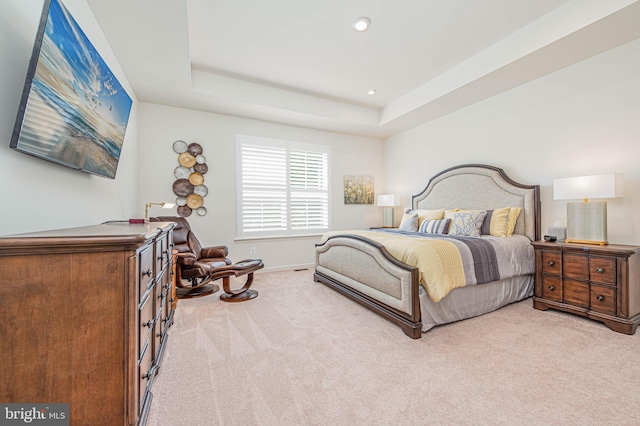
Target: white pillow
(409, 222)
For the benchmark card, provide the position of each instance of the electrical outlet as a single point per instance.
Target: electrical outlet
(252, 250)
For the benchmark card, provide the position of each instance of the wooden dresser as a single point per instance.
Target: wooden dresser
(85, 313)
(598, 282)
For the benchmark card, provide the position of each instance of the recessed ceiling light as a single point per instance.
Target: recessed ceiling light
(361, 24)
(371, 92)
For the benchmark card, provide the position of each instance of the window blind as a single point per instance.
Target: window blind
(283, 187)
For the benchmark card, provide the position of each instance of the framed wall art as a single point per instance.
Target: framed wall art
(358, 189)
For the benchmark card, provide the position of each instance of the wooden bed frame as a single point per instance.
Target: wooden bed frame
(364, 271)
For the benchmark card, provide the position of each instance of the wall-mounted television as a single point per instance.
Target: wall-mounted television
(73, 110)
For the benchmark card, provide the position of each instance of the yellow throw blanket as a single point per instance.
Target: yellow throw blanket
(439, 262)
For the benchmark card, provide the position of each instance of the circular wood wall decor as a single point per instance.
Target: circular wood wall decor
(194, 201)
(194, 149)
(181, 172)
(201, 190)
(187, 160)
(182, 187)
(201, 168)
(189, 185)
(196, 178)
(179, 146)
(184, 211)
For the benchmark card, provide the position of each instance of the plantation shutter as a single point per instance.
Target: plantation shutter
(309, 203)
(264, 188)
(283, 187)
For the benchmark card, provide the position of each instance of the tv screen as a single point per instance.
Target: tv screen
(73, 110)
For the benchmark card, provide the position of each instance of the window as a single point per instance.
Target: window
(282, 187)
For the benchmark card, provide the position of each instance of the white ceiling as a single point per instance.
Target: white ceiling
(300, 62)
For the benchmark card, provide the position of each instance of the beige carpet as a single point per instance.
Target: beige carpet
(302, 354)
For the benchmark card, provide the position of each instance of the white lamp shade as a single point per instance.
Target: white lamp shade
(386, 200)
(608, 185)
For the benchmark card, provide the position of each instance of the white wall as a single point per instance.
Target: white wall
(36, 194)
(581, 120)
(160, 126)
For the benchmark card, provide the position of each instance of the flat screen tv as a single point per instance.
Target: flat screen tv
(73, 110)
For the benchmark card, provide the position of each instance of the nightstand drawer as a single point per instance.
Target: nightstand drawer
(552, 262)
(603, 299)
(576, 266)
(576, 293)
(552, 288)
(602, 270)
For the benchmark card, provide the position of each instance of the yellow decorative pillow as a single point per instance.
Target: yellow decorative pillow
(448, 213)
(512, 219)
(424, 214)
(497, 225)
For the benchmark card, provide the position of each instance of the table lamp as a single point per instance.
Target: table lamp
(163, 205)
(388, 202)
(587, 220)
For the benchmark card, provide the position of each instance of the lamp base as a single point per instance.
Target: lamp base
(388, 218)
(596, 243)
(587, 223)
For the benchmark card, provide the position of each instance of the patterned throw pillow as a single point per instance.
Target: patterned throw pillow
(409, 222)
(467, 223)
(434, 226)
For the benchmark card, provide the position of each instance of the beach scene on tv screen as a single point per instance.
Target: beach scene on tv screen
(77, 111)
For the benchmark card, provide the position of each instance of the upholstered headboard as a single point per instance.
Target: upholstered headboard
(481, 187)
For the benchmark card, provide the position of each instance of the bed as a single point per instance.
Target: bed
(359, 263)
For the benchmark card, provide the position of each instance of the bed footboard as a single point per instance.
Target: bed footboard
(364, 271)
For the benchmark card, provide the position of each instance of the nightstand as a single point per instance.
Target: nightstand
(598, 282)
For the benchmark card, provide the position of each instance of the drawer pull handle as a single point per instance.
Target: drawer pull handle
(147, 272)
(146, 375)
(600, 298)
(551, 263)
(148, 323)
(600, 270)
(552, 287)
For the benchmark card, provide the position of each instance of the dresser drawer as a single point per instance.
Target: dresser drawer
(158, 330)
(162, 253)
(552, 262)
(603, 270)
(146, 270)
(552, 288)
(603, 299)
(576, 266)
(145, 366)
(146, 322)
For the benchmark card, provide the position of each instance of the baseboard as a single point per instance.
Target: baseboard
(309, 266)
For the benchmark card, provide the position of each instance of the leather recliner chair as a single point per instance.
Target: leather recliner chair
(200, 265)
(194, 262)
